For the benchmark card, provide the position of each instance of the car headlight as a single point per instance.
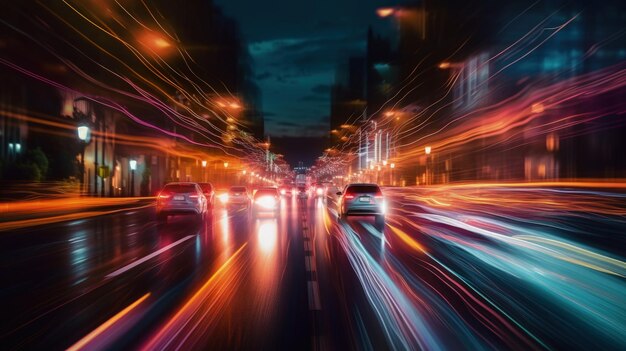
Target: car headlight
(319, 191)
(266, 202)
(223, 198)
(283, 192)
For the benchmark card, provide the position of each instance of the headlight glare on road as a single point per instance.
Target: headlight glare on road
(223, 198)
(266, 202)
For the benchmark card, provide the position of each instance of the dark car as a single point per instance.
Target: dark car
(362, 200)
(181, 199)
(209, 193)
(238, 196)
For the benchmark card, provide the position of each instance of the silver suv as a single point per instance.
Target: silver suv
(181, 198)
(364, 200)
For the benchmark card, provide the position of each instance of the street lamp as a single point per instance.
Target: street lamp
(204, 163)
(133, 167)
(427, 150)
(225, 164)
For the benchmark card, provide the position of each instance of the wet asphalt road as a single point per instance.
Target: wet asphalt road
(458, 275)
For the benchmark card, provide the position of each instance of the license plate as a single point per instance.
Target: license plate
(364, 199)
(179, 197)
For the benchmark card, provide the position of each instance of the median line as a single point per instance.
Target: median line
(146, 258)
(313, 289)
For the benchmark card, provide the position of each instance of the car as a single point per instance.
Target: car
(181, 198)
(286, 190)
(320, 190)
(302, 192)
(238, 197)
(362, 199)
(266, 201)
(209, 193)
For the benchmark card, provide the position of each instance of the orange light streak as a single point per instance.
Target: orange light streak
(82, 343)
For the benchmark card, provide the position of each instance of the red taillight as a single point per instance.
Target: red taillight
(194, 196)
(349, 196)
(164, 196)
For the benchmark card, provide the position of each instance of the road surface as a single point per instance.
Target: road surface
(511, 267)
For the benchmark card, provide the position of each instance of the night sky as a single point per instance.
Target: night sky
(296, 47)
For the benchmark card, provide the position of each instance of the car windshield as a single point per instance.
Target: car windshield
(180, 188)
(238, 189)
(361, 189)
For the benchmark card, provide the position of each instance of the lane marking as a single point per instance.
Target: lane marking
(146, 258)
(104, 326)
(314, 296)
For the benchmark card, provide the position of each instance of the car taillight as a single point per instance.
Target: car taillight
(194, 196)
(349, 196)
(164, 196)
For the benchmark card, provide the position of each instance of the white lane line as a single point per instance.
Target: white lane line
(314, 296)
(152, 255)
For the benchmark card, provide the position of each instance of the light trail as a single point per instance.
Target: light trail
(85, 342)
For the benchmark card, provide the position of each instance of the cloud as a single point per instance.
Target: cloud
(321, 89)
(314, 98)
(264, 75)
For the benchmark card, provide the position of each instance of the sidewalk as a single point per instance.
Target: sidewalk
(21, 214)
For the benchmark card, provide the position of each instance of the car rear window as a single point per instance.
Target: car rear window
(266, 192)
(180, 188)
(206, 187)
(360, 189)
(238, 189)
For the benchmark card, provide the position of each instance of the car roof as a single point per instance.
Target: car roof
(363, 184)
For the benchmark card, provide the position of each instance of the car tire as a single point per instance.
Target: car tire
(379, 221)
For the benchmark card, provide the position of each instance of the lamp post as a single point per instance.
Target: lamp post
(204, 163)
(427, 151)
(83, 136)
(133, 167)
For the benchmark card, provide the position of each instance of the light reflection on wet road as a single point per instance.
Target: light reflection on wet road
(451, 270)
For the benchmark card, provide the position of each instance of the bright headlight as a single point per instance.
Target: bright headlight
(267, 202)
(223, 198)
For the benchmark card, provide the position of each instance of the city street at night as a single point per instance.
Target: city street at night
(327, 175)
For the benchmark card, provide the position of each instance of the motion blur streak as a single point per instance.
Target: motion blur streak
(206, 301)
(542, 248)
(404, 327)
(46, 213)
(89, 338)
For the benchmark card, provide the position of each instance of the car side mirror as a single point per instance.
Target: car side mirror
(339, 193)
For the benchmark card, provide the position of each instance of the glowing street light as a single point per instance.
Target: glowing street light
(83, 133)
(225, 164)
(427, 150)
(385, 11)
(133, 167)
(204, 163)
